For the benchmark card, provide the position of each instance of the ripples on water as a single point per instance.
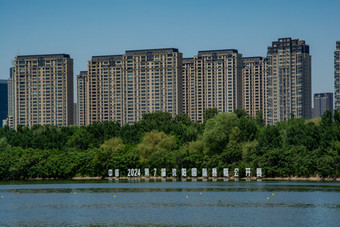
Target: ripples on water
(220, 203)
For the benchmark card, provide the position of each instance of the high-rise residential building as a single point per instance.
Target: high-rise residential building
(75, 114)
(192, 100)
(337, 76)
(42, 90)
(123, 87)
(322, 102)
(81, 97)
(254, 85)
(289, 80)
(3, 101)
(212, 79)
(9, 120)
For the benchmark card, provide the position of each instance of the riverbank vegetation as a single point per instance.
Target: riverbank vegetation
(227, 140)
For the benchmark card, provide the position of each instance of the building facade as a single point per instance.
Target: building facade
(212, 79)
(123, 87)
(3, 101)
(9, 120)
(254, 85)
(192, 88)
(42, 87)
(289, 80)
(322, 102)
(81, 97)
(75, 114)
(337, 76)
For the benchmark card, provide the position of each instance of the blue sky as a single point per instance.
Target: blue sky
(87, 28)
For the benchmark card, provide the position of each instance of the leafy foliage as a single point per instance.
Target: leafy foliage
(225, 140)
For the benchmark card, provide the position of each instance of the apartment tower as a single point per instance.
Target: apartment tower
(123, 87)
(192, 90)
(42, 87)
(254, 85)
(289, 80)
(10, 113)
(337, 76)
(81, 97)
(322, 102)
(212, 79)
(3, 101)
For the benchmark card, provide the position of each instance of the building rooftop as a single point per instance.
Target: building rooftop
(107, 57)
(151, 50)
(227, 51)
(257, 58)
(295, 45)
(188, 59)
(43, 56)
(323, 94)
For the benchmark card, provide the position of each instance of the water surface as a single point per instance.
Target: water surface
(157, 203)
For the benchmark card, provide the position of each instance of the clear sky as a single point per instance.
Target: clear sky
(84, 28)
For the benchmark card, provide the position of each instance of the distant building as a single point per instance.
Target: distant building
(82, 97)
(75, 114)
(322, 102)
(289, 80)
(9, 120)
(3, 101)
(212, 79)
(337, 76)
(123, 87)
(254, 89)
(42, 90)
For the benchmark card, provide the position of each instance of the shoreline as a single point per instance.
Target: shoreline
(315, 179)
(213, 178)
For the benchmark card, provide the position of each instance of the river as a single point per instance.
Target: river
(169, 203)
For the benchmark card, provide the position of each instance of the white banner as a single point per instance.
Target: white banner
(184, 172)
(163, 172)
(116, 172)
(236, 172)
(174, 172)
(194, 172)
(259, 172)
(146, 172)
(204, 172)
(247, 172)
(225, 172)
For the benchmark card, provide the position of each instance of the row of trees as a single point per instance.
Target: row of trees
(226, 140)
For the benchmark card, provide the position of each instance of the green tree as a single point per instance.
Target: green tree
(217, 130)
(154, 147)
(241, 113)
(259, 118)
(248, 129)
(209, 113)
(269, 138)
(81, 139)
(113, 145)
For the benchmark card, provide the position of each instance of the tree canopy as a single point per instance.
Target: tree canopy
(225, 140)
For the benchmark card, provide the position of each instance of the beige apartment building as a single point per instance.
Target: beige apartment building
(212, 79)
(81, 96)
(42, 87)
(254, 85)
(123, 87)
(337, 76)
(289, 80)
(192, 91)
